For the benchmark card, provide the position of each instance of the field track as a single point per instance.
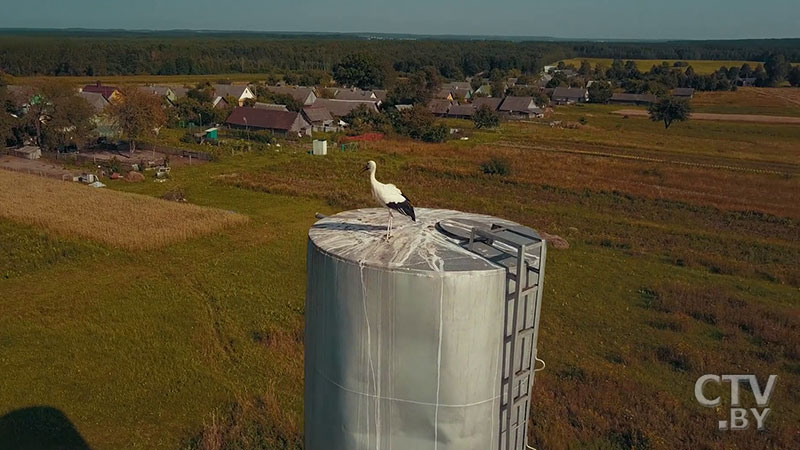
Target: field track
(754, 118)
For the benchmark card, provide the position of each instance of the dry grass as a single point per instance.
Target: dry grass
(768, 101)
(122, 220)
(249, 424)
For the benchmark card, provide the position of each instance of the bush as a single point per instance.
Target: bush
(434, 133)
(496, 166)
(486, 118)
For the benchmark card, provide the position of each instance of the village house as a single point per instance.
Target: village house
(459, 89)
(484, 90)
(492, 102)
(439, 106)
(279, 122)
(565, 95)
(444, 94)
(320, 119)
(354, 94)
(161, 91)
(239, 92)
(632, 99)
(461, 111)
(110, 93)
(180, 92)
(27, 152)
(685, 93)
(95, 100)
(520, 107)
(304, 95)
(746, 81)
(220, 102)
(341, 108)
(380, 94)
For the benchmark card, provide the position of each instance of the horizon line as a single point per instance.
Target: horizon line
(443, 36)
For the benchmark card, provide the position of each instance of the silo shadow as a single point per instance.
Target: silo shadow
(39, 428)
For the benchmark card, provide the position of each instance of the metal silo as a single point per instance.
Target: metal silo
(423, 341)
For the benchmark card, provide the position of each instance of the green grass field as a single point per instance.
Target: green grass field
(702, 67)
(677, 267)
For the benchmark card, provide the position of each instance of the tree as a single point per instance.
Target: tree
(669, 110)
(138, 114)
(585, 69)
(777, 68)
(794, 76)
(417, 89)
(6, 119)
(70, 123)
(56, 115)
(361, 71)
(485, 117)
(600, 92)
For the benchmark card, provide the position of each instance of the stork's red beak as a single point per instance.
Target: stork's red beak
(363, 170)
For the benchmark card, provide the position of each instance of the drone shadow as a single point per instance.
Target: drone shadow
(40, 428)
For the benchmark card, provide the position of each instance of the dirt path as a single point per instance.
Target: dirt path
(722, 117)
(39, 167)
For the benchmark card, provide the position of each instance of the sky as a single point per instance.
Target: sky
(584, 19)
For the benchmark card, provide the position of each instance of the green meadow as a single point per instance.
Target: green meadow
(682, 261)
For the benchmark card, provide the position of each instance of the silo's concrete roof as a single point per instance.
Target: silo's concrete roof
(358, 236)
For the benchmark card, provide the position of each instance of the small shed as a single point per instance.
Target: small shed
(27, 152)
(212, 133)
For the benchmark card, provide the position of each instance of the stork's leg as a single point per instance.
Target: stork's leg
(389, 227)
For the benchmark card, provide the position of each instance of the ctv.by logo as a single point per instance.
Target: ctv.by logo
(738, 415)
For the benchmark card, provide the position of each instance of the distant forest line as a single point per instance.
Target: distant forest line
(85, 53)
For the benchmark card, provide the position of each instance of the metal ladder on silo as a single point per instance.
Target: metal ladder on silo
(525, 275)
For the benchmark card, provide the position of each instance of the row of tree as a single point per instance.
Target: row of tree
(660, 79)
(53, 116)
(310, 61)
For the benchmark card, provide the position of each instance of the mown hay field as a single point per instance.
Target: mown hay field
(123, 220)
(750, 100)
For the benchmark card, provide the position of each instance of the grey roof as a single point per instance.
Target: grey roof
(458, 86)
(569, 93)
(492, 102)
(266, 119)
(317, 114)
(161, 91)
(517, 104)
(230, 90)
(180, 91)
(271, 106)
(303, 95)
(461, 111)
(380, 94)
(354, 94)
(439, 106)
(341, 108)
(443, 94)
(95, 100)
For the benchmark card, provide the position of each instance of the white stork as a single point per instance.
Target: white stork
(390, 196)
